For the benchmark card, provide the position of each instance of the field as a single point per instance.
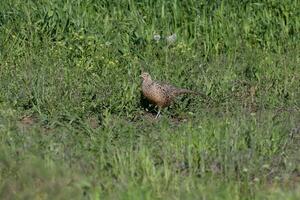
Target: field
(74, 125)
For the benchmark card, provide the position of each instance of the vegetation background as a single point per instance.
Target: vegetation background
(73, 124)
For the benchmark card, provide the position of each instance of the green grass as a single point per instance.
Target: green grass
(73, 124)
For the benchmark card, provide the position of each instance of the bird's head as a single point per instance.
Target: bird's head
(145, 76)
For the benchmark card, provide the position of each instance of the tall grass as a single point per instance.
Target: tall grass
(72, 123)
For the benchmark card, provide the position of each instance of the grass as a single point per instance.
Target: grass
(73, 123)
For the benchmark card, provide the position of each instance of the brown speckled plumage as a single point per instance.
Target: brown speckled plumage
(161, 95)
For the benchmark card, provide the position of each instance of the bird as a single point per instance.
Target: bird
(161, 95)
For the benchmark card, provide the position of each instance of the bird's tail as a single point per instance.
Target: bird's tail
(186, 91)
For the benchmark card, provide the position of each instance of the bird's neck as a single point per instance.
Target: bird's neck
(147, 81)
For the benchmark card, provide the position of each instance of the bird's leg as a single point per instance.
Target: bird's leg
(158, 113)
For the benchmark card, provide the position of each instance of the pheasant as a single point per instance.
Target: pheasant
(162, 95)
